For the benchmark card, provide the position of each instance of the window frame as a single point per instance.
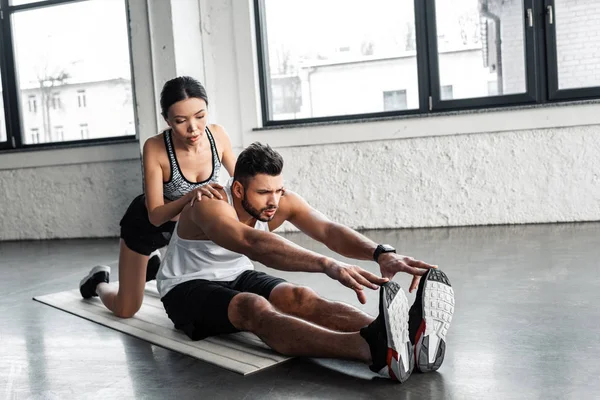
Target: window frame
(11, 96)
(541, 76)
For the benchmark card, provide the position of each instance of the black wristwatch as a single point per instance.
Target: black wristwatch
(382, 248)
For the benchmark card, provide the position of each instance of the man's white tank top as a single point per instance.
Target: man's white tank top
(186, 260)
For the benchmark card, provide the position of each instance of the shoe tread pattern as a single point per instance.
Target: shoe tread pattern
(438, 309)
(396, 306)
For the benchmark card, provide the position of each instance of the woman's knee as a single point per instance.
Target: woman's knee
(126, 305)
(247, 311)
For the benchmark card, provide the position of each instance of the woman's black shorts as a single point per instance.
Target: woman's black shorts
(139, 234)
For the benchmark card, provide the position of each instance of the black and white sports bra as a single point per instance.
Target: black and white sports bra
(177, 186)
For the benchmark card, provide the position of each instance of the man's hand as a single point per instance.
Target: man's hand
(391, 263)
(209, 190)
(353, 277)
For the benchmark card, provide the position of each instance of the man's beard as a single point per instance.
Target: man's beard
(254, 213)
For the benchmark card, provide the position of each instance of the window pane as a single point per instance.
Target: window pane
(2, 119)
(317, 68)
(481, 43)
(578, 43)
(74, 71)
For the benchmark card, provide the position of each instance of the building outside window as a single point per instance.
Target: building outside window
(394, 100)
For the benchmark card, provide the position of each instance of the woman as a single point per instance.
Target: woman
(180, 165)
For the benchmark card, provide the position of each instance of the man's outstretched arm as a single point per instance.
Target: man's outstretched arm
(219, 222)
(348, 242)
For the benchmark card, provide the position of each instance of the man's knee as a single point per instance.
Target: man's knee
(247, 311)
(292, 297)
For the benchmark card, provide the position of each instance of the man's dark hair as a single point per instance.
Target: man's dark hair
(257, 159)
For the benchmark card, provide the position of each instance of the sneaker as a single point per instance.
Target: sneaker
(429, 319)
(98, 274)
(391, 349)
(153, 265)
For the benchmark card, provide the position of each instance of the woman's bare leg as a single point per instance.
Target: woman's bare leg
(126, 300)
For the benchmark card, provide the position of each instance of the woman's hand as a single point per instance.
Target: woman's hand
(209, 190)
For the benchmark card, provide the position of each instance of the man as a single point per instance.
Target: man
(209, 287)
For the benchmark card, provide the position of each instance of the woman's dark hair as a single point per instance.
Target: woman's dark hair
(180, 88)
(257, 159)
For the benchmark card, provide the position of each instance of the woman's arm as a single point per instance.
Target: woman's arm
(158, 211)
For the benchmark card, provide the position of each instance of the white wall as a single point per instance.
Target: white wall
(68, 201)
(545, 175)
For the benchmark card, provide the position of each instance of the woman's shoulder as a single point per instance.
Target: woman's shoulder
(155, 143)
(217, 130)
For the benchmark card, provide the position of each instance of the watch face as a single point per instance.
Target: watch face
(387, 248)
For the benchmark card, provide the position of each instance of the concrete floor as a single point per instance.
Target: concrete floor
(527, 325)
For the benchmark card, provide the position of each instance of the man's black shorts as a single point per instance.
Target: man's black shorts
(200, 307)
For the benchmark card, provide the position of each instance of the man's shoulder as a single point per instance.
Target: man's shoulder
(291, 199)
(214, 202)
(289, 204)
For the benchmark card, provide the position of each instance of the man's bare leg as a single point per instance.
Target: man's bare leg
(293, 336)
(305, 303)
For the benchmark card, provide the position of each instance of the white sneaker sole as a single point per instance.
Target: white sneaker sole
(395, 314)
(438, 309)
(95, 270)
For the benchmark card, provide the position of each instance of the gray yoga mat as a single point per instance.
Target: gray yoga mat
(242, 352)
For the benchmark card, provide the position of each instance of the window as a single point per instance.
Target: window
(59, 133)
(287, 98)
(53, 67)
(326, 72)
(35, 136)
(55, 101)
(478, 41)
(573, 47)
(447, 92)
(492, 89)
(81, 101)
(84, 132)
(445, 54)
(32, 104)
(394, 100)
(577, 48)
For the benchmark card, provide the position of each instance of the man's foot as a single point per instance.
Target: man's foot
(429, 319)
(98, 274)
(387, 336)
(153, 265)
